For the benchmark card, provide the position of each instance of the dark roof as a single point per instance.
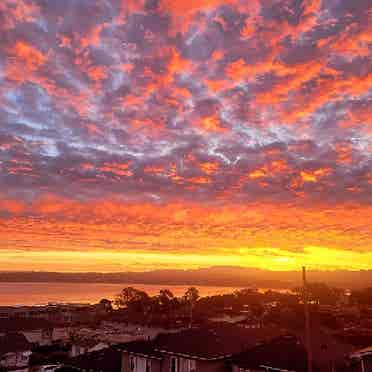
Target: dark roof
(141, 347)
(23, 324)
(53, 348)
(106, 360)
(212, 342)
(13, 342)
(67, 369)
(285, 352)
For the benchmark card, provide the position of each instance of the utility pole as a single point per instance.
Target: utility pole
(307, 323)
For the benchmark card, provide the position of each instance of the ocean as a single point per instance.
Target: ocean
(15, 294)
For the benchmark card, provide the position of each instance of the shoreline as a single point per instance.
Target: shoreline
(41, 293)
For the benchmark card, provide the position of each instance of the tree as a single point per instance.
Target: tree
(191, 296)
(166, 302)
(134, 300)
(165, 297)
(129, 296)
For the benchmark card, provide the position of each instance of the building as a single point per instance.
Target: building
(141, 356)
(197, 349)
(84, 346)
(15, 351)
(57, 313)
(106, 360)
(361, 360)
(282, 354)
(47, 336)
(46, 356)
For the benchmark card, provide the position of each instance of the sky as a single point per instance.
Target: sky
(138, 135)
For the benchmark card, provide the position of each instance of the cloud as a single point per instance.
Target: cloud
(187, 106)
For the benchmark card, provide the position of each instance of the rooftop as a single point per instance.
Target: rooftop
(13, 342)
(284, 352)
(147, 348)
(213, 342)
(106, 360)
(363, 352)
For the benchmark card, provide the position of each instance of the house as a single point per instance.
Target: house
(15, 351)
(47, 335)
(284, 353)
(86, 346)
(250, 322)
(362, 360)
(140, 356)
(106, 360)
(47, 355)
(196, 349)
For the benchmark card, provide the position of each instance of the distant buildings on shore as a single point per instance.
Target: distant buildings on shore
(62, 313)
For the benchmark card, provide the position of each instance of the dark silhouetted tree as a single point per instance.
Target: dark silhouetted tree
(135, 301)
(191, 297)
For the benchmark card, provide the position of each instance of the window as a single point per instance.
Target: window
(191, 365)
(148, 365)
(174, 364)
(132, 364)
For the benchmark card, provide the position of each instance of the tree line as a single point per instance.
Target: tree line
(138, 302)
(166, 302)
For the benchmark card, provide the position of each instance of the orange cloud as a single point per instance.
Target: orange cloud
(199, 96)
(153, 169)
(315, 175)
(178, 229)
(258, 173)
(176, 65)
(97, 73)
(344, 153)
(209, 167)
(12, 206)
(199, 180)
(273, 168)
(237, 70)
(118, 169)
(328, 89)
(352, 41)
(26, 60)
(93, 37)
(295, 77)
(248, 30)
(182, 7)
(17, 12)
(217, 85)
(213, 124)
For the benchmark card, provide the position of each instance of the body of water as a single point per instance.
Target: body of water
(12, 294)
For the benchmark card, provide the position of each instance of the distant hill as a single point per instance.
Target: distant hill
(214, 276)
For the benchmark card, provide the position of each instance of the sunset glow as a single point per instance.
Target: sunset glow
(138, 135)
